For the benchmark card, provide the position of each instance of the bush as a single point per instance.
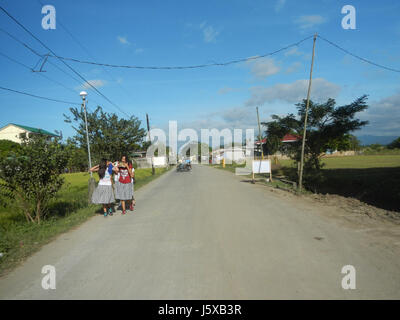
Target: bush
(395, 144)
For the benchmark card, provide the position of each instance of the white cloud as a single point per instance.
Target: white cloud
(279, 5)
(293, 67)
(225, 90)
(209, 33)
(139, 50)
(383, 116)
(293, 92)
(97, 83)
(123, 40)
(293, 52)
(307, 22)
(238, 117)
(263, 67)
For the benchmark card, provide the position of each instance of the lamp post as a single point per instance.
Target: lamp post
(92, 182)
(83, 95)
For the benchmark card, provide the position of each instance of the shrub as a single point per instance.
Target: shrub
(31, 176)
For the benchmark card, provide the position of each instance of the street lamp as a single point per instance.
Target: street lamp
(83, 95)
(92, 183)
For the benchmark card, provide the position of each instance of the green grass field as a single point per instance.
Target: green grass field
(373, 179)
(355, 162)
(19, 239)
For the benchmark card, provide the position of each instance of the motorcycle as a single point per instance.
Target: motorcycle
(182, 167)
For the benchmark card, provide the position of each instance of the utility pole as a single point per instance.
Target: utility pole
(259, 135)
(305, 118)
(148, 129)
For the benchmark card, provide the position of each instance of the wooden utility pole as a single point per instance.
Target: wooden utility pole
(148, 130)
(259, 135)
(305, 118)
(261, 144)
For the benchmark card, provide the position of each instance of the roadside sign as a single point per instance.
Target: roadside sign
(262, 166)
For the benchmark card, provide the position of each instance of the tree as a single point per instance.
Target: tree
(109, 136)
(198, 149)
(395, 144)
(328, 128)
(7, 147)
(31, 176)
(77, 157)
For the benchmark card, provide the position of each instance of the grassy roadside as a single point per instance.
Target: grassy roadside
(372, 179)
(19, 239)
(275, 183)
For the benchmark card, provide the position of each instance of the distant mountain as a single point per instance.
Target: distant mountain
(369, 139)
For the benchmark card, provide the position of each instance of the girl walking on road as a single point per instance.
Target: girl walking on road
(124, 191)
(116, 181)
(133, 202)
(103, 194)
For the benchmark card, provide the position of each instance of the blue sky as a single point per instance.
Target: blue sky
(178, 33)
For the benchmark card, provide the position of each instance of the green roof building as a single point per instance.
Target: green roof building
(16, 132)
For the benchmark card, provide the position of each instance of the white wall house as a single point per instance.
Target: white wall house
(234, 154)
(16, 132)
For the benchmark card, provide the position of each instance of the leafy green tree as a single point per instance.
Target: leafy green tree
(202, 149)
(31, 176)
(109, 135)
(77, 157)
(376, 146)
(395, 144)
(328, 128)
(7, 147)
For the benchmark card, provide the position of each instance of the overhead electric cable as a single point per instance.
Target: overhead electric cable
(185, 67)
(39, 97)
(358, 57)
(43, 75)
(75, 39)
(54, 54)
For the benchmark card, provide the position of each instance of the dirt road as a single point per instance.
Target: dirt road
(206, 234)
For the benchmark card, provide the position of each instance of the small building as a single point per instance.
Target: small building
(230, 154)
(287, 138)
(16, 132)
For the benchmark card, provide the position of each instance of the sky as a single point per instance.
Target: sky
(182, 33)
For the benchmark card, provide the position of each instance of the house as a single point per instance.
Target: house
(17, 133)
(230, 154)
(287, 138)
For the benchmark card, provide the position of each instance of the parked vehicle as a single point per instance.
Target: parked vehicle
(182, 167)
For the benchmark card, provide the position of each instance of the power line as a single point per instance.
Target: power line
(45, 76)
(210, 64)
(54, 54)
(22, 43)
(358, 57)
(59, 22)
(15, 61)
(39, 73)
(40, 56)
(185, 67)
(39, 97)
